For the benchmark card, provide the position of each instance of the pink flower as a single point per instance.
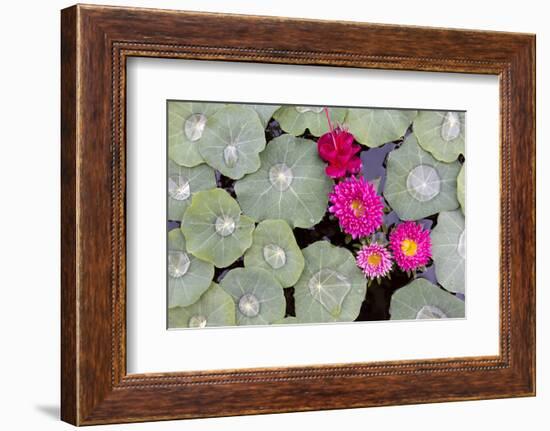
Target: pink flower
(411, 246)
(337, 148)
(357, 207)
(375, 260)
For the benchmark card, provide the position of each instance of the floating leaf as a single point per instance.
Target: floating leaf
(274, 249)
(291, 184)
(265, 112)
(296, 119)
(215, 229)
(232, 140)
(375, 127)
(183, 183)
(214, 308)
(428, 274)
(441, 133)
(460, 188)
(290, 320)
(417, 185)
(186, 125)
(188, 277)
(421, 299)
(449, 250)
(258, 297)
(331, 287)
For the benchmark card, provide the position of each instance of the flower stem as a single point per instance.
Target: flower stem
(331, 128)
(328, 119)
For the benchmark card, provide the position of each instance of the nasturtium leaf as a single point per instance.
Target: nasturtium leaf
(296, 119)
(232, 140)
(214, 308)
(417, 185)
(274, 249)
(421, 299)
(291, 184)
(186, 124)
(289, 320)
(183, 183)
(375, 127)
(215, 229)
(258, 296)
(331, 287)
(265, 112)
(188, 277)
(449, 250)
(461, 188)
(441, 133)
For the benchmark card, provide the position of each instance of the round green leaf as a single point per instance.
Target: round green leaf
(460, 188)
(418, 185)
(449, 250)
(258, 297)
(290, 320)
(442, 133)
(188, 277)
(291, 184)
(183, 183)
(421, 299)
(215, 229)
(214, 308)
(296, 119)
(274, 249)
(265, 112)
(186, 124)
(232, 140)
(375, 127)
(331, 287)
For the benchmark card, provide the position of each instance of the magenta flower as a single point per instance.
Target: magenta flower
(357, 207)
(338, 150)
(375, 260)
(411, 246)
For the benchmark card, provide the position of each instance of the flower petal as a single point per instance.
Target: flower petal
(335, 171)
(326, 147)
(354, 165)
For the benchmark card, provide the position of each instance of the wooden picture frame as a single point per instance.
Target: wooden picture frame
(96, 41)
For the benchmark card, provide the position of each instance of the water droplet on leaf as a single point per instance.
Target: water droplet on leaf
(316, 109)
(178, 263)
(450, 127)
(225, 225)
(430, 312)
(197, 321)
(281, 176)
(423, 183)
(461, 248)
(274, 255)
(230, 155)
(194, 126)
(178, 187)
(249, 305)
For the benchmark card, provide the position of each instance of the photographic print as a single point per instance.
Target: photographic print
(281, 214)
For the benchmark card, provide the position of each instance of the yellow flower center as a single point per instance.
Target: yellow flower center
(357, 207)
(374, 259)
(409, 247)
